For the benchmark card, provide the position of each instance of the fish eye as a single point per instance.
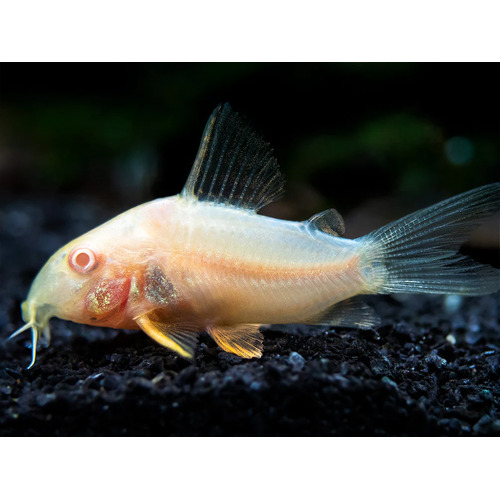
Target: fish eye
(82, 260)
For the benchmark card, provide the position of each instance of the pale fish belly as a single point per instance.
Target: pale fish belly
(235, 267)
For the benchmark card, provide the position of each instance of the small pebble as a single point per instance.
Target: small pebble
(389, 381)
(44, 399)
(6, 389)
(452, 303)
(296, 360)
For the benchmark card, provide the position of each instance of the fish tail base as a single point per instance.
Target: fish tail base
(420, 252)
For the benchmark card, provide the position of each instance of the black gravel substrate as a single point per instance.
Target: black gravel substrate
(431, 369)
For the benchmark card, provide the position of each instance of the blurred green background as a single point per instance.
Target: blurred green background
(372, 140)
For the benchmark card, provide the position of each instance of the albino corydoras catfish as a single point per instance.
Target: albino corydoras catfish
(204, 260)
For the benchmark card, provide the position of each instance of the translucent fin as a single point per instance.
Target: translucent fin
(352, 312)
(419, 253)
(234, 165)
(329, 221)
(179, 338)
(242, 340)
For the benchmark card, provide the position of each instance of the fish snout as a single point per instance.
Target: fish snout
(37, 314)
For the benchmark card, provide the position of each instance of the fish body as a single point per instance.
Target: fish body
(205, 260)
(228, 263)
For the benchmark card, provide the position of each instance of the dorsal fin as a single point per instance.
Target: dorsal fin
(329, 221)
(234, 164)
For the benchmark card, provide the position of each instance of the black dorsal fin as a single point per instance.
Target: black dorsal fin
(234, 165)
(329, 221)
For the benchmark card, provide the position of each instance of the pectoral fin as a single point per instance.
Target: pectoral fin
(180, 338)
(243, 340)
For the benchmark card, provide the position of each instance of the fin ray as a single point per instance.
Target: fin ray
(245, 341)
(234, 165)
(420, 252)
(180, 338)
(353, 313)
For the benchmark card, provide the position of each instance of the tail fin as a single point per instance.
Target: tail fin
(419, 253)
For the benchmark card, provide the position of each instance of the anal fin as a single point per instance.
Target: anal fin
(243, 340)
(352, 313)
(178, 337)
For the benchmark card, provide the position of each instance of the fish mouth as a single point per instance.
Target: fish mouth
(37, 318)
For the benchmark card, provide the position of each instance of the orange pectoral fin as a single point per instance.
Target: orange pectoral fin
(179, 338)
(242, 340)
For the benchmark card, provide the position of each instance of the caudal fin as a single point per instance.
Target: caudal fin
(419, 253)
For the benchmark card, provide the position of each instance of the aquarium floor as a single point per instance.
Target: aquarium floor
(429, 370)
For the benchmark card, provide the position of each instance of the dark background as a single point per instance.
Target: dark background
(81, 143)
(344, 134)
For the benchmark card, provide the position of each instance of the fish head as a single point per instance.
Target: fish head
(86, 281)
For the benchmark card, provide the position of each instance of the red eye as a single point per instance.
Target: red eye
(82, 260)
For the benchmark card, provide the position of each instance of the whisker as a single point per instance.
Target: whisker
(20, 330)
(34, 340)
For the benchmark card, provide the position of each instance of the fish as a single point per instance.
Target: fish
(206, 260)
